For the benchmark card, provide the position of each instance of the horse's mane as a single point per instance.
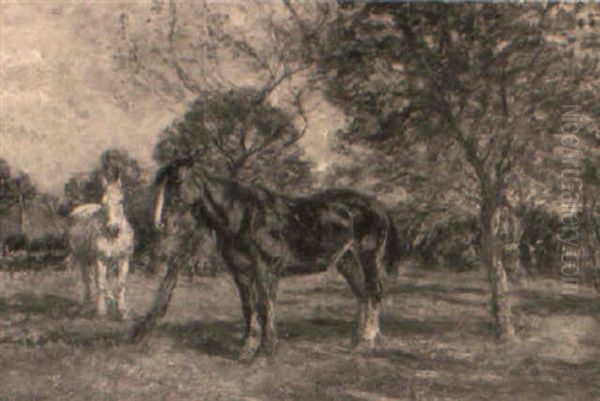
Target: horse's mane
(168, 173)
(85, 210)
(169, 170)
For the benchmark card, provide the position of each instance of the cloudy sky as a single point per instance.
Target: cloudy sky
(61, 95)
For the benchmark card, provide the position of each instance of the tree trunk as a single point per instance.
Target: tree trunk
(21, 215)
(509, 231)
(592, 242)
(492, 257)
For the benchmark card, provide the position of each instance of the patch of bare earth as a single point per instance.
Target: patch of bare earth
(439, 344)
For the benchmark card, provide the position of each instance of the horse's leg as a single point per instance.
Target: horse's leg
(101, 303)
(373, 286)
(349, 267)
(86, 278)
(121, 287)
(247, 290)
(266, 286)
(161, 301)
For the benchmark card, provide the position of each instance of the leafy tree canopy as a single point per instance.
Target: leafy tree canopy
(16, 189)
(476, 90)
(240, 134)
(114, 163)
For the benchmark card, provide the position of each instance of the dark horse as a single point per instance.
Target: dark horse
(263, 236)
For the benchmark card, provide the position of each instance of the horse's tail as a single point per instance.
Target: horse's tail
(160, 305)
(392, 251)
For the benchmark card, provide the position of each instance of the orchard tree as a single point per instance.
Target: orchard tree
(182, 48)
(79, 189)
(15, 190)
(5, 195)
(244, 68)
(117, 163)
(239, 134)
(114, 163)
(23, 191)
(472, 87)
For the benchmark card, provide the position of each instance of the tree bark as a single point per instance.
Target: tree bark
(492, 257)
(21, 214)
(592, 242)
(509, 233)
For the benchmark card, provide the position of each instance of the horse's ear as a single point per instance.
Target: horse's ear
(103, 182)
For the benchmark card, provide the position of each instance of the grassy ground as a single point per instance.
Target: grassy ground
(439, 345)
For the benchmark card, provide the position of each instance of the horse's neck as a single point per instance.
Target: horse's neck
(119, 213)
(215, 196)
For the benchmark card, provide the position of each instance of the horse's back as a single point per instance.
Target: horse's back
(306, 232)
(85, 211)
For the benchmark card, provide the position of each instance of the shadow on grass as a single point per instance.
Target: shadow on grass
(223, 338)
(388, 374)
(323, 328)
(96, 336)
(48, 305)
(540, 303)
(408, 288)
(57, 320)
(214, 338)
(438, 292)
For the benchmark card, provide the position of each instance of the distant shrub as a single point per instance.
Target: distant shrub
(451, 238)
(540, 248)
(48, 244)
(14, 243)
(439, 236)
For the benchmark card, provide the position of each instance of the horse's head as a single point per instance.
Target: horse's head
(176, 188)
(112, 203)
(177, 183)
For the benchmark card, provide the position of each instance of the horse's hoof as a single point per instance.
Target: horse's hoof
(369, 344)
(363, 345)
(380, 341)
(137, 332)
(267, 350)
(125, 315)
(88, 311)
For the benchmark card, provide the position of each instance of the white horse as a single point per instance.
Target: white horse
(101, 238)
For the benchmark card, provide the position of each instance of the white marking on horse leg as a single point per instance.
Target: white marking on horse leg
(101, 288)
(121, 286)
(360, 319)
(251, 338)
(266, 315)
(372, 321)
(270, 319)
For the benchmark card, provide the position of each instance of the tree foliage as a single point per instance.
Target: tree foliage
(239, 134)
(113, 164)
(15, 189)
(468, 94)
